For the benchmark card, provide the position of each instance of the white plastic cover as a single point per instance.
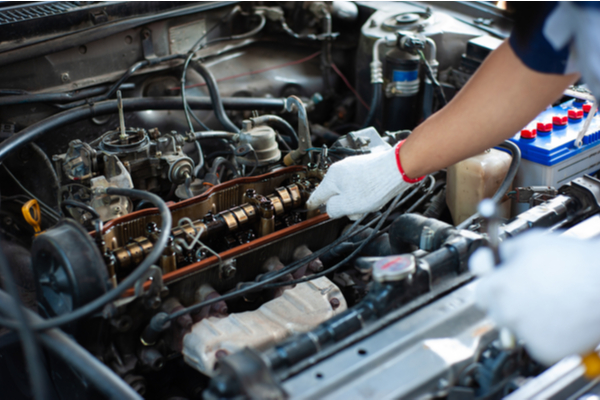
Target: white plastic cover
(298, 310)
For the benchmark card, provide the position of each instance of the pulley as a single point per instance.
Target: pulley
(69, 269)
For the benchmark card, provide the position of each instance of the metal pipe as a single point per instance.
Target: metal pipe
(35, 131)
(432, 49)
(295, 156)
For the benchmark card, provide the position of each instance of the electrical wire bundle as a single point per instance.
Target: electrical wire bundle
(269, 280)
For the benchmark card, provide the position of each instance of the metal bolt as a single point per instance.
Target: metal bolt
(117, 210)
(335, 303)
(229, 270)
(155, 302)
(158, 154)
(65, 77)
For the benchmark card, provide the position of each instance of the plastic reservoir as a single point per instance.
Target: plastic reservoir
(475, 179)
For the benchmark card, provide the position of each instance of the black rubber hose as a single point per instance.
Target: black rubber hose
(142, 205)
(138, 273)
(228, 164)
(510, 176)
(51, 97)
(49, 167)
(379, 246)
(33, 132)
(374, 105)
(72, 203)
(437, 206)
(512, 169)
(278, 124)
(60, 344)
(31, 349)
(409, 228)
(213, 90)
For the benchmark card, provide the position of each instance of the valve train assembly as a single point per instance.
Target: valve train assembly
(156, 161)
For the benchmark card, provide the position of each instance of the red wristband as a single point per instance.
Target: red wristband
(406, 178)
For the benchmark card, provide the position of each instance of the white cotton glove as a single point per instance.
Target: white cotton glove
(546, 291)
(359, 184)
(577, 26)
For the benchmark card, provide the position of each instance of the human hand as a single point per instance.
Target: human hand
(545, 292)
(359, 184)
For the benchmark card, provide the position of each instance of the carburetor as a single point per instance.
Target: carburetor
(133, 158)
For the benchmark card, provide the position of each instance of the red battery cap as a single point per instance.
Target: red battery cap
(575, 114)
(528, 133)
(560, 121)
(544, 127)
(587, 108)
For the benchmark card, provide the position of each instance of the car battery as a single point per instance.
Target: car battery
(548, 151)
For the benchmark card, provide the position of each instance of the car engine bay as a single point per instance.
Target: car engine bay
(156, 163)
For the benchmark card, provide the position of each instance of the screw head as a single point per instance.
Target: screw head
(335, 303)
(65, 77)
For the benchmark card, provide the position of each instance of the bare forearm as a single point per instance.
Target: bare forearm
(499, 100)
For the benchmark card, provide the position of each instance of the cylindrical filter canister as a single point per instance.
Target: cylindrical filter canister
(401, 95)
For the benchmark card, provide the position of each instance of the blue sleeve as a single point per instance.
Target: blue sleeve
(535, 51)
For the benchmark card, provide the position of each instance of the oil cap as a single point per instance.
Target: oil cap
(587, 108)
(394, 268)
